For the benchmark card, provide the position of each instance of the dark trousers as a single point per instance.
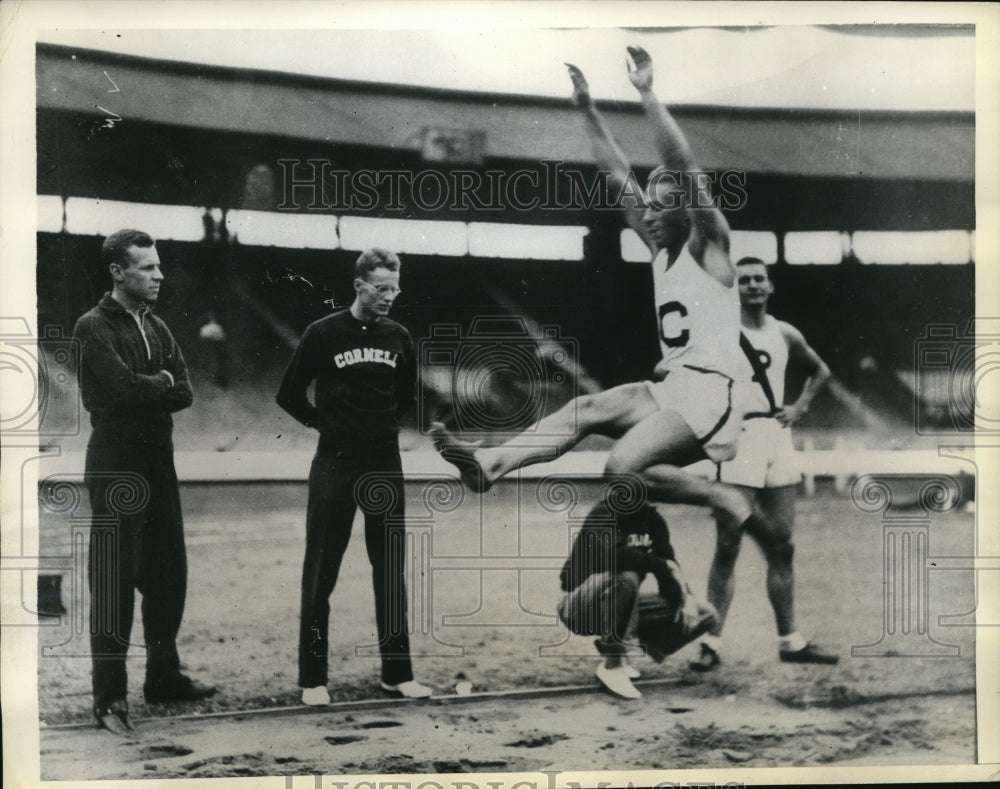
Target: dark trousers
(372, 479)
(136, 542)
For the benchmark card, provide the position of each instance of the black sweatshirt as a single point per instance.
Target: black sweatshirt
(639, 542)
(365, 374)
(122, 384)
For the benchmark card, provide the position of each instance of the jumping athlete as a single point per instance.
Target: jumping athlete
(132, 378)
(765, 467)
(692, 411)
(364, 369)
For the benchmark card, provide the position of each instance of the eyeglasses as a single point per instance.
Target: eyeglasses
(384, 290)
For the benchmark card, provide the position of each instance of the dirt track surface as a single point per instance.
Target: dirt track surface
(669, 728)
(497, 627)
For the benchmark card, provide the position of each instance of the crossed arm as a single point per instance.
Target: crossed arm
(167, 390)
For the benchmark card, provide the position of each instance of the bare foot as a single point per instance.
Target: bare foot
(462, 456)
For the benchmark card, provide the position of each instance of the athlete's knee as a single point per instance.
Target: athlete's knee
(779, 550)
(626, 584)
(729, 505)
(620, 465)
(591, 409)
(609, 408)
(727, 545)
(624, 590)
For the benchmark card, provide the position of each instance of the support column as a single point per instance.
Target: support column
(905, 551)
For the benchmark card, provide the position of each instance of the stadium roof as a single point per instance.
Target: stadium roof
(876, 144)
(883, 66)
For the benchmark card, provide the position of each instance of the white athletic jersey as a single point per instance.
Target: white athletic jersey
(698, 317)
(772, 351)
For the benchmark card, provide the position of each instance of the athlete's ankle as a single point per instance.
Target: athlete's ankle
(491, 466)
(792, 642)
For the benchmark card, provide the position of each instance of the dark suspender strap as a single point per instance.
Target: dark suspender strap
(759, 372)
(725, 417)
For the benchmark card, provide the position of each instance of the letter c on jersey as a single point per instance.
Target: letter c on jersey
(669, 325)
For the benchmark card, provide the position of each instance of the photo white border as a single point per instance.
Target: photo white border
(19, 24)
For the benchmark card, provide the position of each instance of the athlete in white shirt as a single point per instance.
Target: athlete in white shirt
(765, 467)
(692, 411)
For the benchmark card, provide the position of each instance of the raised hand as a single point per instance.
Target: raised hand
(581, 90)
(641, 75)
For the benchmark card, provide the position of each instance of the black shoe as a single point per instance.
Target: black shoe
(676, 634)
(115, 719)
(810, 653)
(461, 456)
(50, 596)
(601, 646)
(175, 687)
(708, 659)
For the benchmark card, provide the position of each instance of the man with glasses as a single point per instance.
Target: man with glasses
(364, 369)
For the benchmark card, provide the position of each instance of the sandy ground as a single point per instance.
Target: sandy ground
(669, 728)
(483, 606)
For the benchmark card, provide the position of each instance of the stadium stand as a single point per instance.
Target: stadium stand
(211, 177)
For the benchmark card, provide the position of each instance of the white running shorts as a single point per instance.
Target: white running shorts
(706, 400)
(765, 456)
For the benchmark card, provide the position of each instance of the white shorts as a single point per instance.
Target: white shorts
(765, 456)
(705, 400)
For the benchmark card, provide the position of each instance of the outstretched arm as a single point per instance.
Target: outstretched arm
(818, 371)
(710, 234)
(608, 153)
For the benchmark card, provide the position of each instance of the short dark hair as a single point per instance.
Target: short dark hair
(374, 258)
(751, 261)
(114, 247)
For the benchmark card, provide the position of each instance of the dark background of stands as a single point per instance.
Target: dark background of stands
(847, 311)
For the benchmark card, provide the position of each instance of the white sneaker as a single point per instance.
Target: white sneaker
(631, 672)
(409, 690)
(316, 697)
(617, 681)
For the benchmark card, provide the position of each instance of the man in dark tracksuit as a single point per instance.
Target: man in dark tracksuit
(601, 578)
(364, 369)
(132, 377)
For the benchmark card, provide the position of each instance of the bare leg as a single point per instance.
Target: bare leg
(676, 486)
(721, 584)
(656, 447)
(609, 413)
(662, 440)
(774, 535)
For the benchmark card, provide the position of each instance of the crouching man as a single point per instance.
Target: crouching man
(601, 579)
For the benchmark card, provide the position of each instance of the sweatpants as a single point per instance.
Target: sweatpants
(372, 478)
(604, 605)
(136, 542)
